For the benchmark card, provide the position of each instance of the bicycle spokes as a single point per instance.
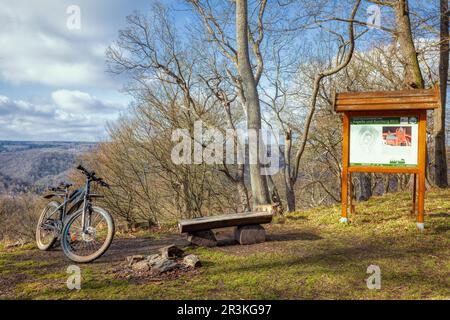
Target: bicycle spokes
(89, 241)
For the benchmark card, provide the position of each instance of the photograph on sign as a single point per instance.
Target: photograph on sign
(383, 141)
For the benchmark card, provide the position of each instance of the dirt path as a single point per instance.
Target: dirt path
(121, 248)
(118, 251)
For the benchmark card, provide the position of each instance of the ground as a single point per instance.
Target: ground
(308, 255)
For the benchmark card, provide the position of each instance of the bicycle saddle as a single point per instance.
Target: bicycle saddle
(61, 187)
(65, 185)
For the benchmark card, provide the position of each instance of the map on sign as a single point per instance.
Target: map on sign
(384, 141)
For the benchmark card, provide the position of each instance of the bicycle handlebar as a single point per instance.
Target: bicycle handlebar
(102, 183)
(85, 171)
(91, 175)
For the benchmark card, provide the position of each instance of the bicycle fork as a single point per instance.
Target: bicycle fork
(85, 216)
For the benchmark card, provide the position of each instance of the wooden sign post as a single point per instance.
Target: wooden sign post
(385, 132)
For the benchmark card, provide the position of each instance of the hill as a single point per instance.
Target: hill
(28, 165)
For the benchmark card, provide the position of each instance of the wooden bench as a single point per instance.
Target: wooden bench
(248, 227)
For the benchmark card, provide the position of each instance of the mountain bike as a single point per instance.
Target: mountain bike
(84, 230)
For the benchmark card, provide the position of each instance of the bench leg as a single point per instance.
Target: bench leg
(203, 238)
(250, 234)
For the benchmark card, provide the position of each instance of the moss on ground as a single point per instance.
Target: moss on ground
(310, 256)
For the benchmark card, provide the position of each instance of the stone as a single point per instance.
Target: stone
(250, 234)
(164, 265)
(133, 259)
(141, 266)
(153, 258)
(171, 251)
(192, 260)
(203, 238)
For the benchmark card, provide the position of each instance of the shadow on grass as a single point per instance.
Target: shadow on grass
(292, 236)
(227, 239)
(439, 229)
(334, 258)
(439, 215)
(402, 273)
(296, 218)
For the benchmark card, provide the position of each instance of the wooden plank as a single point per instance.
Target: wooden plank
(413, 209)
(383, 169)
(382, 106)
(384, 113)
(387, 94)
(224, 221)
(422, 163)
(393, 101)
(350, 197)
(388, 100)
(392, 93)
(345, 162)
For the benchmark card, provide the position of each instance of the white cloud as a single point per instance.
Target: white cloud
(77, 101)
(47, 70)
(68, 115)
(37, 48)
(39, 55)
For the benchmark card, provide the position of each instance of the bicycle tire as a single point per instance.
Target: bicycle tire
(40, 245)
(66, 246)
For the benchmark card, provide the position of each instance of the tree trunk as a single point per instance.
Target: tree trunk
(243, 195)
(289, 182)
(440, 153)
(365, 186)
(290, 197)
(260, 190)
(413, 75)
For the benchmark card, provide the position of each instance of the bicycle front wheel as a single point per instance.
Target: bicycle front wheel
(89, 245)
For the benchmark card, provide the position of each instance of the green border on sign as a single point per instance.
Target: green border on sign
(402, 165)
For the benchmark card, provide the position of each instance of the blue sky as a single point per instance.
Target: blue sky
(53, 80)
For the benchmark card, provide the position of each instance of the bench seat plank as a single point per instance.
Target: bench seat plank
(224, 221)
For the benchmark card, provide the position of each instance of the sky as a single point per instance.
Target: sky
(53, 79)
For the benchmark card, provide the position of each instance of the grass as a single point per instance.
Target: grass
(310, 256)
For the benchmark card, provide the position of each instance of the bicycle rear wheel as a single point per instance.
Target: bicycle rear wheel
(48, 226)
(87, 246)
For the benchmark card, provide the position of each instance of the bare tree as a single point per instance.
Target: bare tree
(248, 76)
(168, 95)
(235, 173)
(292, 152)
(402, 33)
(440, 150)
(259, 186)
(413, 74)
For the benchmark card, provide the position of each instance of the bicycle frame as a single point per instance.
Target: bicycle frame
(75, 202)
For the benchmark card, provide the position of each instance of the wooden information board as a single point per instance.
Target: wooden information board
(385, 132)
